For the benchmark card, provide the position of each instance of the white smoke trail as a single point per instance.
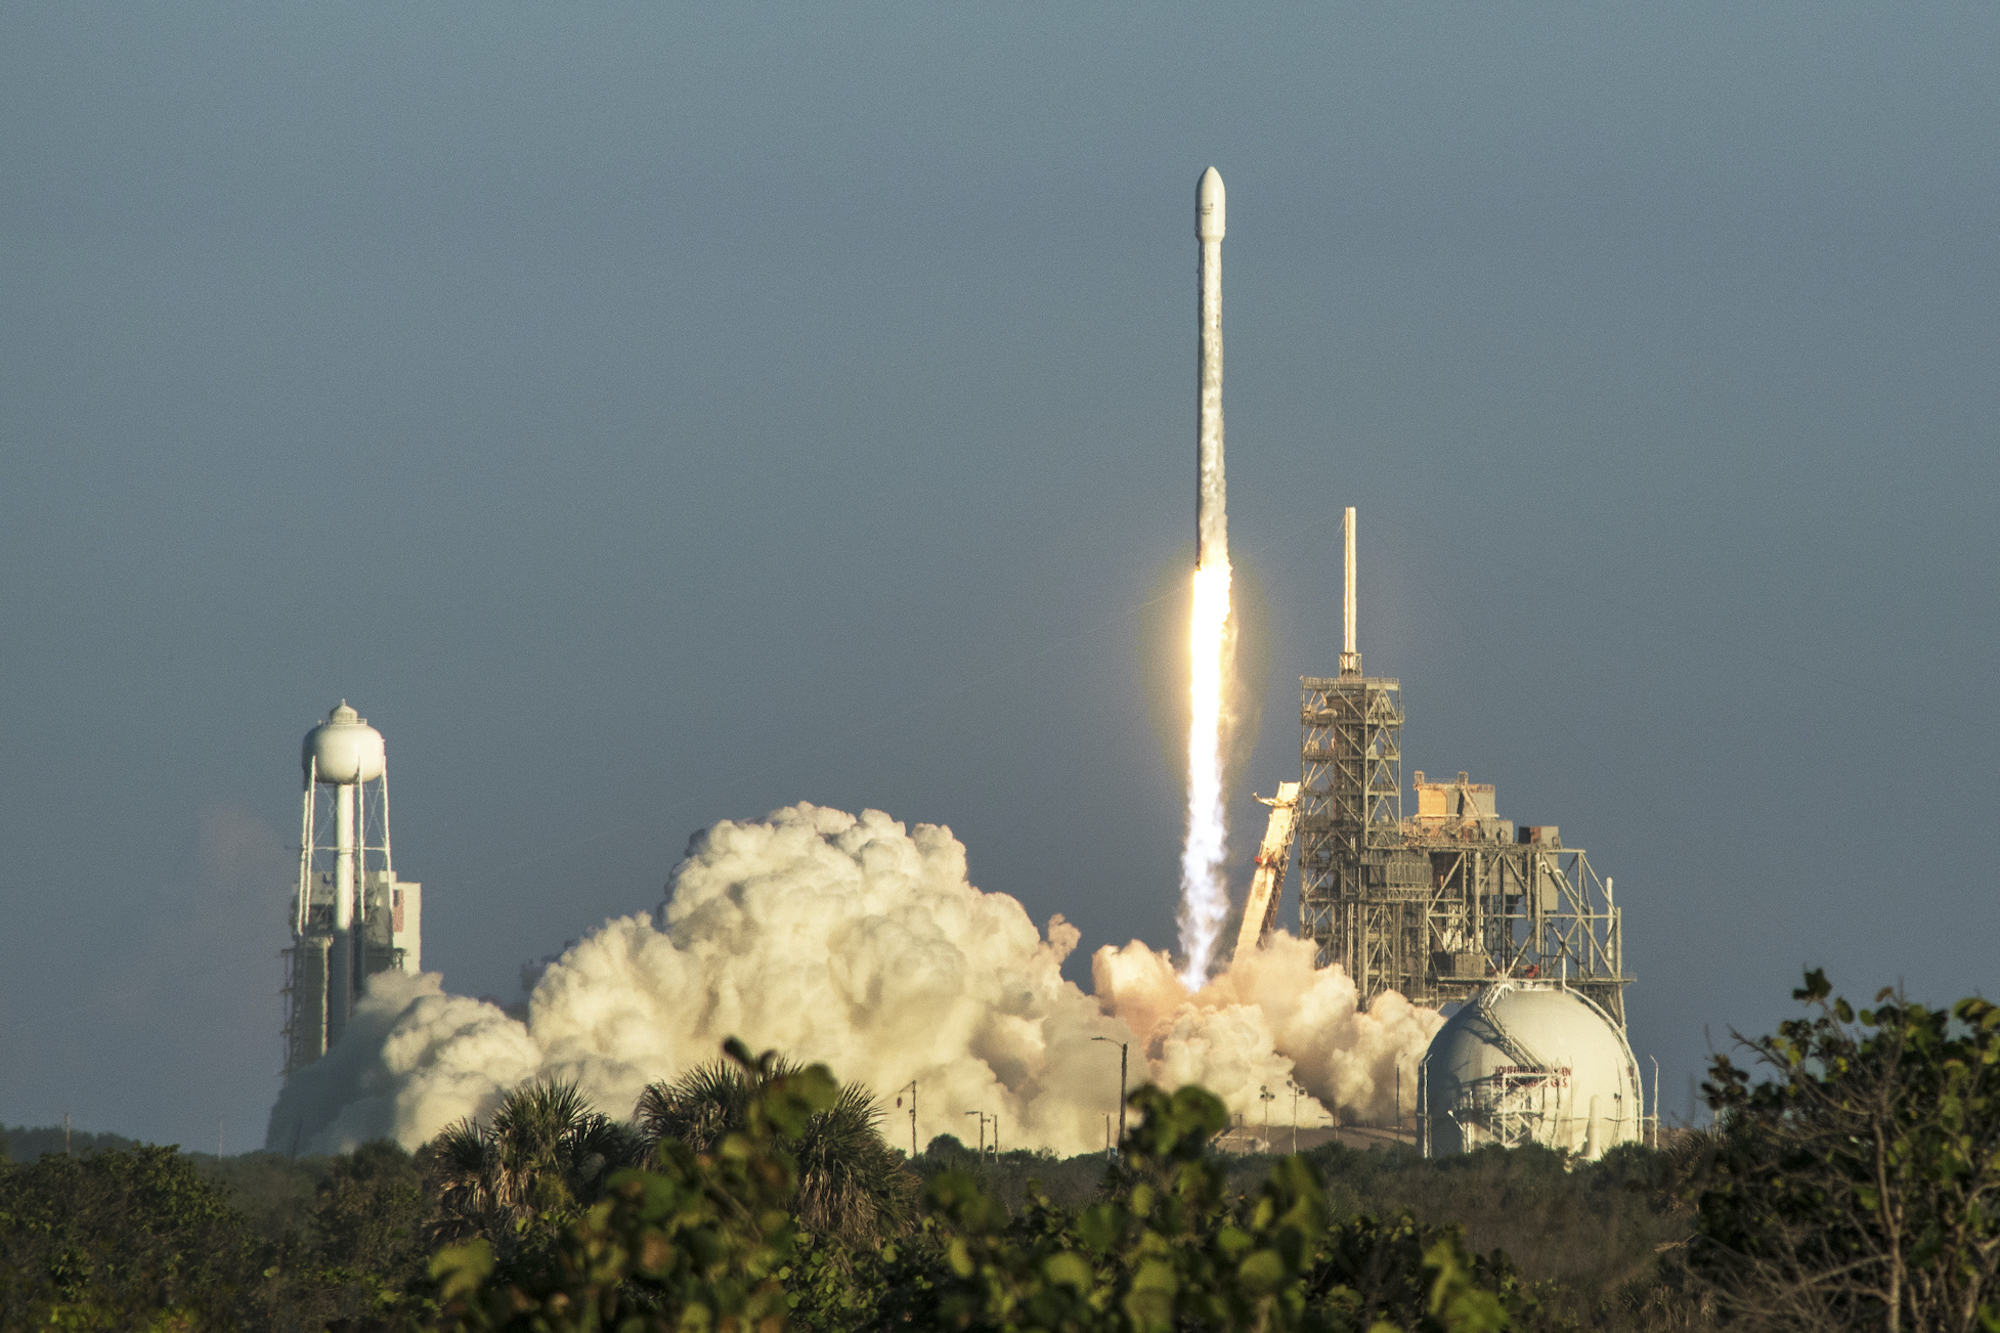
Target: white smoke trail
(1204, 894)
(857, 942)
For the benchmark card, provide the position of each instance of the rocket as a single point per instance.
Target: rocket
(1211, 519)
(1211, 495)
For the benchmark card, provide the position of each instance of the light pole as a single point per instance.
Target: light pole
(1122, 1049)
(1266, 1096)
(1424, 1104)
(1296, 1090)
(982, 1130)
(1656, 1103)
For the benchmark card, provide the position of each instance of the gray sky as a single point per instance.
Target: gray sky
(647, 416)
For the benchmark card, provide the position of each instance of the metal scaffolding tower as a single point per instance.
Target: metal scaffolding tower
(1436, 905)
(1350, 822)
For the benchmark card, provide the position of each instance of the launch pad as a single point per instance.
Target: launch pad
(1440, 904)
(1434, 905)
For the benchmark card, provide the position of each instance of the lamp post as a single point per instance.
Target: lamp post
(1266, 1096)
(1656, 1103)
(1122, 1051)
(1424, 1104)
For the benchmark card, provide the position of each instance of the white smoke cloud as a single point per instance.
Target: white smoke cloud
(411, 1060)
(857, 942)
(1269, 1015)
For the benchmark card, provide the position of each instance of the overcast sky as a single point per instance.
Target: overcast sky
(650, 415)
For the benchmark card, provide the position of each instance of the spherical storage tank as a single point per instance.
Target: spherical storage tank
(1529, 1062)
(344, 749)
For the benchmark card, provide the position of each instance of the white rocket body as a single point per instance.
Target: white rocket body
(1211, 519)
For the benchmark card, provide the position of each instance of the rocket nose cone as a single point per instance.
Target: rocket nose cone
(1211, 206)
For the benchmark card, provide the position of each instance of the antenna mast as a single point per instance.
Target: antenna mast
(1350, 657)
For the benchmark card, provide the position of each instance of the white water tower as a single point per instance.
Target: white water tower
(351, 917)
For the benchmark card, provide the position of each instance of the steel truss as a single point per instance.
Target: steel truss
(306, 960)
(1432, 909)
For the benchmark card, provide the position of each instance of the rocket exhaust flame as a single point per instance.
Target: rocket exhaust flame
(1204, 894)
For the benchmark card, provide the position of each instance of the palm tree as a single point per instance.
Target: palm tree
(544, 1155)
(851, 1182)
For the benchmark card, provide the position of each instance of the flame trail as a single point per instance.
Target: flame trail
(1204, 895)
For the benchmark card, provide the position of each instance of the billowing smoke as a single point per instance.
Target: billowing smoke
(861, 943)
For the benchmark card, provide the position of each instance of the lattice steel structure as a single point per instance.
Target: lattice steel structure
(1436, 905)
(1512, 903)
(351, 916)
(1350, 829)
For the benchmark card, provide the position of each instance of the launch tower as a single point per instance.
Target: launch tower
(1438, 904)
(351, 916)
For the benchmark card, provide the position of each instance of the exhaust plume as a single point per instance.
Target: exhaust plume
(1204, 891)
(858, 942)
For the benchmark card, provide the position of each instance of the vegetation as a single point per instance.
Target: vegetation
(1857, 1184)
(23, 1144)
(1167, 1246)
(699, 1241)
(1849, 1184)
(144, 1238)
(363, 1250)
(116, 1240)
(533, 1168)
(851, 1184)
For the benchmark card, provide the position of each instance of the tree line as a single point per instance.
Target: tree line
(1847, 1183)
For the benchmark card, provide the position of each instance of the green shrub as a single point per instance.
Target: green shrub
(118, 1240)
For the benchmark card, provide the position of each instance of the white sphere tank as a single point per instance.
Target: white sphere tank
(1532, 1062)
(344, 749)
